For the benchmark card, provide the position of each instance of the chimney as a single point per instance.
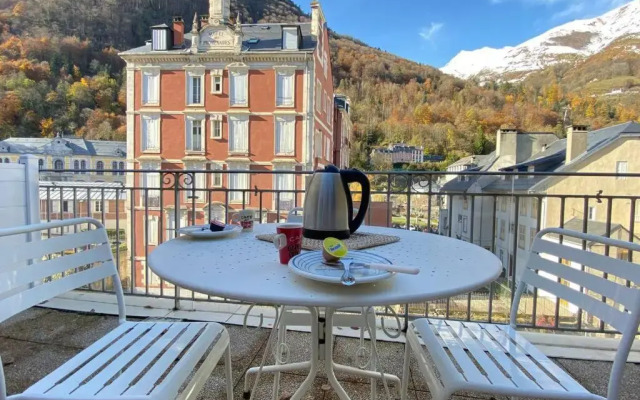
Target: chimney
(507, 144)
(204, 20)
(576, 141)
(178, 32)
(317, 18)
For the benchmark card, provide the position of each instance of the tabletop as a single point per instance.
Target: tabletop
(247, 269)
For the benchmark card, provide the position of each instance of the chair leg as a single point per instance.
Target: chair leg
(371, 315)
(406, 374)
(282, 329)
(228, 373)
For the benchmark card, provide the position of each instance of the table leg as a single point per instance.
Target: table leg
(329, 366)
(315, 356)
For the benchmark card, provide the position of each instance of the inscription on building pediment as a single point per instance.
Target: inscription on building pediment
(212, 39)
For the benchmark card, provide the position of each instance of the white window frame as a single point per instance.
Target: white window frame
(231, 134)
(235, 196)
(152, 230)
(234, 72)
(198, 184)
(592, 213)
(289, 30)
(188, 139)
(190, 73)
(154, 185)
(286, 119)
(148, 72)
(98, 206)
(217, 74)
(144, 133)
(622, 167)
(216, 121)
(289, 72)
(522, 236)
(288, 180)
(217, 178)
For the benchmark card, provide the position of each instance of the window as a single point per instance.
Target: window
(592, 214)
(41, 163)
(465, 203)
(121, 167)
(195, 137)
(239, 88)
(151, 181)
(285, 136)
(621, 168)
(76, 167)
(290, 38)
(171, 225)
(151, 133)
(534, 208)
(100, 167)
(97, 206)
(238, 182)
(152, 231)
(503, 228)
(67, 206)
(284, 182)
(503, 204)
(216, 81)
(522, 236)
(58, 165)
(83, 167)
(216, 178)
(465, 223)
(239, 135)
(196, 183)
(151, 88)
(318, 144)
(195, 89)
(532, 235)
(114, 167)
(285, 88)
(318, 96)
(216, 126)
(218, 212)
(524, 204)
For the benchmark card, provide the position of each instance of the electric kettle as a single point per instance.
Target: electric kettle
(328, 206)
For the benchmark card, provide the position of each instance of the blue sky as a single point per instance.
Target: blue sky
(434, 31)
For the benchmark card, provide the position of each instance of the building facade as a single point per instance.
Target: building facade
(228, 97)
(342, 131)
(400, 154)
(72, 155)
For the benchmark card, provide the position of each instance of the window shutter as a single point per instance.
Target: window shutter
(189, 139)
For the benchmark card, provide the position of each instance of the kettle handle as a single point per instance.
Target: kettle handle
(351, 176)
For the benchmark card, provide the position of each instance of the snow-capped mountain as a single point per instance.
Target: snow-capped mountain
(580, 38)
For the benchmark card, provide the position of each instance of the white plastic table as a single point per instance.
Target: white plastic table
(247, 269)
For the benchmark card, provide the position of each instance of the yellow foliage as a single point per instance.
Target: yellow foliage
(18, 9)
(84, 82)
(46, 127)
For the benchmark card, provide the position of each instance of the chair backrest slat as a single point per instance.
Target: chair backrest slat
(55, 265)
(40, 270)
(619, 268)
(619, 293)
(614, 317)
(30, 297)
(17, 254)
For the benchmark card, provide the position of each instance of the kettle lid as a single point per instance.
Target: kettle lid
(332, 169)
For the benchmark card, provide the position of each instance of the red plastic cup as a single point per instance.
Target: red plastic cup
(288, 241)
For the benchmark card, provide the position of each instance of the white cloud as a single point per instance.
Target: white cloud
(428, 32)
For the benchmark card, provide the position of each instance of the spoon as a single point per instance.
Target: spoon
(347, 278)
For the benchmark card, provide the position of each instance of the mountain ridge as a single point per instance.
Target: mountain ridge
(573, 40)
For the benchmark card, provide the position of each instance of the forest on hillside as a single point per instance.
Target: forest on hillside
(60, 72)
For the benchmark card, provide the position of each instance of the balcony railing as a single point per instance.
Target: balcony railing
(503, 217)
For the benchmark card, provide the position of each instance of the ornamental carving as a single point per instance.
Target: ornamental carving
(216, 39)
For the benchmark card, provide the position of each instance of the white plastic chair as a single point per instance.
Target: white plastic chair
(495, 359)
(137, 360)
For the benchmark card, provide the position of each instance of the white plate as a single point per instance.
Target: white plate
(310, 266)
(203, 232)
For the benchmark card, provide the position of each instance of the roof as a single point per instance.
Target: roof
(269, 40)
(499, 185)
(596, 228)
(79, 191)
(483, 163)
(64, 146)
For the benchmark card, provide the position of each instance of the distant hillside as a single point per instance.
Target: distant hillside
(59, 71)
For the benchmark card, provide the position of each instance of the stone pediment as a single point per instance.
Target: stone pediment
(220, 38)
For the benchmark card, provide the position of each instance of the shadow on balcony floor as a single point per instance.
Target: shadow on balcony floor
(34, 343)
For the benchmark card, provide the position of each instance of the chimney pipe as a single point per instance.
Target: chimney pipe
(576, 141)
(204, 20)
(178, 32)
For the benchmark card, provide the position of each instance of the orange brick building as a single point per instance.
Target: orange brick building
(227, 96)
